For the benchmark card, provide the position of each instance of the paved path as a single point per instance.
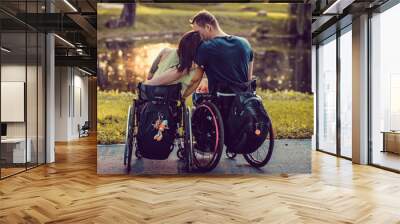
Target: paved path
(289, 156)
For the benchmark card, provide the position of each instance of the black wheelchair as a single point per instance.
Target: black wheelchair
(216, 105)
(168, 96)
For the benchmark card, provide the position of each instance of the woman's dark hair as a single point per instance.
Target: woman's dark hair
(187, 49)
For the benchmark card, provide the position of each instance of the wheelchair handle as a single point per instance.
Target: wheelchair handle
(225, 94)
(228, 94)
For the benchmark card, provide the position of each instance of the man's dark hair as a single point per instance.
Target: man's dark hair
(204, 17)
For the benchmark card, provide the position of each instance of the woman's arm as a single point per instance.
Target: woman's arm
(194, 83)
(154, 66)
(166, 78)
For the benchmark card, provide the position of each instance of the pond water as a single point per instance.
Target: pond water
(281, 63)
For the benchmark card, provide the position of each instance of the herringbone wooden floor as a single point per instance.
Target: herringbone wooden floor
(70, 191)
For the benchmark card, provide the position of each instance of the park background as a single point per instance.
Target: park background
(130, 36)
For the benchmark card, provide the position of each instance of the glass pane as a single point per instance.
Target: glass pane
(23, 82)
(31, 98)
(41, 98)
(385, 86)
(327, 96)
(32, 85)
(13, 87)
(346, 94)
(313, 84)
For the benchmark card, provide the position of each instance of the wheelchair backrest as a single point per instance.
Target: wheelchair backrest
(164, 93)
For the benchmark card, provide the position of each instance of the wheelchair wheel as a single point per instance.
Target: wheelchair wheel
(230, 155)
(187, 152)
(208, 135)
(126, 136)
(137, 154)
(180, 153)
(130, 137)
(262, 155)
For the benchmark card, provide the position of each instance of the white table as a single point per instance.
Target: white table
(19, 155)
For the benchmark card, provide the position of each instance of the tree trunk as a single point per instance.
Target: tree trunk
(129, 13)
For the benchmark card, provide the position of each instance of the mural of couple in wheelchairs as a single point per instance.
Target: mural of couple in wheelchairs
(215, 68)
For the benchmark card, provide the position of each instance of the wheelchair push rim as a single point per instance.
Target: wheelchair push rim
(188, 140)
(131, 137)
(208, 135)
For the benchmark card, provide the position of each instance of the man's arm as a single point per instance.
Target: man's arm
(194, 83)
(250, 75)
(166, 78)
(203, 86)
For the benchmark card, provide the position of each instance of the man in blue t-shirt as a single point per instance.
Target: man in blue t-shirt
(225, 59)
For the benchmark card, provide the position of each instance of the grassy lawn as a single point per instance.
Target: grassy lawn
(112, 108)
(151, 18)
(291, 114)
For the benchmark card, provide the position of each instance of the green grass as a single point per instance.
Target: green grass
(291, 114)
(112, 110)
(233, 7)
(279, 10)
(169, 17)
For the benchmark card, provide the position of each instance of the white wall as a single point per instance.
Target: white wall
(80, 110)
(12, 73)
(61, 103)
(71, 94)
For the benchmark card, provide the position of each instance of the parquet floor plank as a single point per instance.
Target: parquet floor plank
(70, 191)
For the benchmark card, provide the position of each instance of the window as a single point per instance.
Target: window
(385, 89)
(346, 93)
(327, 96)
(22, 76)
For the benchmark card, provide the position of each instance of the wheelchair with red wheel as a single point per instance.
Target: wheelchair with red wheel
(213, 126)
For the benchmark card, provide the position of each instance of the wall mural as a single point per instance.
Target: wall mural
(173, 95)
